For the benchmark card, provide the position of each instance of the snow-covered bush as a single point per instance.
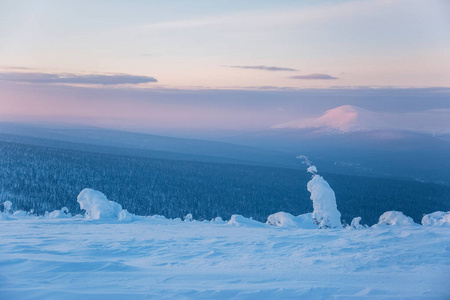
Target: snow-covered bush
(218, 220)
(355, 223)
(97, 206)
(7, 207)
(238, 220)
(325, 213)
(396, 218)
(188, 218)
(438, 218)
(57, 214)
(282, 219)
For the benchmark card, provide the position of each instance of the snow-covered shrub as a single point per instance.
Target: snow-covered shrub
(396, 218)
(62, 213)
(282, 219)
(218, 220)
(97, 206)
(325, 213)
(438, 218)
(238, 220)
(7, 207)
(188, 218)
(355, 223)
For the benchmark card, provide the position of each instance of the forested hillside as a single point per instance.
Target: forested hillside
(43, 179)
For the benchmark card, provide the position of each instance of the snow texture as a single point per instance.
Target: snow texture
(61, 257)
(438, 218)
(395, 218)
(159, 258)
(325, 213)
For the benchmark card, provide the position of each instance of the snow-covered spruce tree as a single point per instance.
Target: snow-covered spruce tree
(325, 214)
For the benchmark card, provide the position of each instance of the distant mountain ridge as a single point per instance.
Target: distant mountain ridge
(113, 141)
(349, 118)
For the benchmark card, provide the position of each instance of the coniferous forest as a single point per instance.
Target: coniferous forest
(39, 179)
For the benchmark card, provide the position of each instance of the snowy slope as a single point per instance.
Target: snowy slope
(348, 118)
(109, 253)
(43, 258)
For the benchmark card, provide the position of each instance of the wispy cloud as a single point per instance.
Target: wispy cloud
(314, 76)
(16, 68)
(265, 68)
(101, 79)
(324, 12)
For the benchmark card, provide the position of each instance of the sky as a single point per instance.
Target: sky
(172, 64)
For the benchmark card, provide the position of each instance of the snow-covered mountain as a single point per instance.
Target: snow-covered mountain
(348, 118)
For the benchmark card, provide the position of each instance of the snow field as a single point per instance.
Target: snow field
(72, 258)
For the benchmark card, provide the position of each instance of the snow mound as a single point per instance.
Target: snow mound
(59, 214)
(395, 218)
(438, 218)
(238, 220)
(97, 206)
(325, 213)
(282, 219)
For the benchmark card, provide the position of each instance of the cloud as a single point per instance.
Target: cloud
(200, 109)
(314, 76)
(15, 68)
(112, 79)
(265, 68)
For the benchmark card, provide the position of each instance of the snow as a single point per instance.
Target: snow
(349, 118)
(395, 218)
(188, 218)
(62, 213)
(355, 223)
(438, 218)
(97, 206)
(109, 253)
(238, 221)
(325, 213)
(159, 258)
(7, 206)
(312, 170)
(282, 219)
